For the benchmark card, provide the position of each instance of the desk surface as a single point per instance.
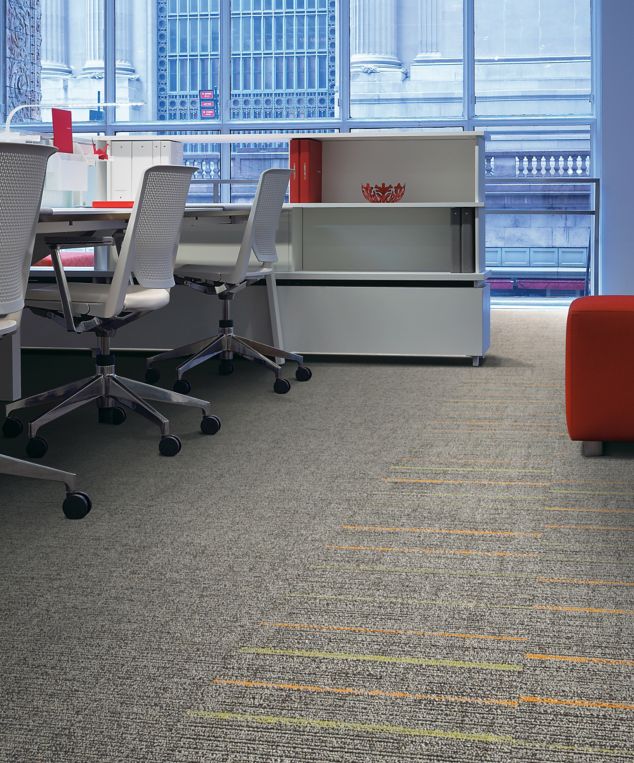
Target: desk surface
(57, 214)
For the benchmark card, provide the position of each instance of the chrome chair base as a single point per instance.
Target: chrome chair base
(16, 467)
(226, 344)
(108, 390)
(76, 504)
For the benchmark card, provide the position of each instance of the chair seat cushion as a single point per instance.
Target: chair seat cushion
(219, 272)
(7, 326)
(90, 298)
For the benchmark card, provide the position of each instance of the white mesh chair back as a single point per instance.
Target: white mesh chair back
(263, 221)
(22, 173)
(151, 240)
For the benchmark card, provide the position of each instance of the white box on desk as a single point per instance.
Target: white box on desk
(128, 160)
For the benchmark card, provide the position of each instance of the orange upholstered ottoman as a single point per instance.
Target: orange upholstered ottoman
(600, 371)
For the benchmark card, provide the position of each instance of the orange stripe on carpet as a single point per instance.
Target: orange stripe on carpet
(389, 631)
(442, 531)
(580, 660)
(413, 480)
(578, 703)
(351, 691)
(585, 610)
(439, 551)
(599, 528)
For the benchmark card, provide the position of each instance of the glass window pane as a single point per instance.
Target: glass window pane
(289, 88)
(43, 67)
(405, 59)
(532, 57)
(154, 40)
(538, 233)
(248, 160)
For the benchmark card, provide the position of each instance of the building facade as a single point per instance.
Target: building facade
(532, 58)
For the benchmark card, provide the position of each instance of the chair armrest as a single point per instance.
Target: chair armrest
(64, 291)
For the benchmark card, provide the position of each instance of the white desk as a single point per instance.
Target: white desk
(85, 222)
(407, 288)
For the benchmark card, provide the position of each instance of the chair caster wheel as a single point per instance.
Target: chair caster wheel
(36, 447)
(169, 445)
(225, 367)
(12, 427)
(210, 425)
(281, 386)
(114, 416)
(302, 373)
(76, 505)
(152, 375)
(182, 386)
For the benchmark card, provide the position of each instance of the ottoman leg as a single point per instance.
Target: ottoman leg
(592, 448)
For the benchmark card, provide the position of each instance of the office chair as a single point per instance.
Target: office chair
(22, 173)
(147, 254)
(226, 281)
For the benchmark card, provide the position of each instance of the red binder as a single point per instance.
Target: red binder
(62, 130)
(305, 165)
(310, 177)
(294, 150)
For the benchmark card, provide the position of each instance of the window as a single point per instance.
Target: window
(406, 59)
(521, 69)
(540, 210)
(532, 57)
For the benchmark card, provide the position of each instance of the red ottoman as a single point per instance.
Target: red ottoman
(600, 371)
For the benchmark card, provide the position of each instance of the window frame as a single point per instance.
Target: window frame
(342, 123)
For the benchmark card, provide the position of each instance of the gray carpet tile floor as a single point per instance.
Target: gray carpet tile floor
(393, 562)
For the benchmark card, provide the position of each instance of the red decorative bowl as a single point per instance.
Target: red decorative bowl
(383, 193)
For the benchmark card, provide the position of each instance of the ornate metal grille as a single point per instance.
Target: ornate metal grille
(188, 55)
(283, 62)
(283, 58)
(24, 41)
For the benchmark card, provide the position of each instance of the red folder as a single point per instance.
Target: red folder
(294, 151)
(310, 175)
(62, 130)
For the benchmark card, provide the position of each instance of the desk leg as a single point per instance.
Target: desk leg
(10, 367)
(102, 258)
(274, 316)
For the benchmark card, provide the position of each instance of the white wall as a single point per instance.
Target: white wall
(616, 125)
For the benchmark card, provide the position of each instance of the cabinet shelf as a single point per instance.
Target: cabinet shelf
(373, 275)
(396, 205)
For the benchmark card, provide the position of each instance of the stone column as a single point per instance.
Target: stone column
(123, 37)
(54, 38)
(373, 35)
(428, 21)
(95, 21)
